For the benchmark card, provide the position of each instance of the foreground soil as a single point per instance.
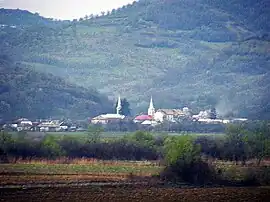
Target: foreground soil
(135, 193)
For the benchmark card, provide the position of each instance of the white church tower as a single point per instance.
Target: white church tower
(151, 109)
(119, 107)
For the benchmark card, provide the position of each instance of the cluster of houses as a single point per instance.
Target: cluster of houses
(155, 117)
(25, 124)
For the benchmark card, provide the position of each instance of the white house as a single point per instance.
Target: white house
(158, 116)
(171, 115)
(107, 118)
(54, 126)
(24, 122)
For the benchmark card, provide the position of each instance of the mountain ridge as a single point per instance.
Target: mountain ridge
(26, 93)
(220, 60)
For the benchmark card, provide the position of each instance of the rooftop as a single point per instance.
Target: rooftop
(143, 117)
(175, 112)
(110, 116)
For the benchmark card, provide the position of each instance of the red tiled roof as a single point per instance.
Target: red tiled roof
(143, 117)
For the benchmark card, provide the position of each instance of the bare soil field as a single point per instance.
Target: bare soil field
(107, 181)
(135, 193)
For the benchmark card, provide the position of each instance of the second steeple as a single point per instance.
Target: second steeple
(151, 109)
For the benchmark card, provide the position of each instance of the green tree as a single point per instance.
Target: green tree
(237, 146)
(125, 107)
(50, 147)
(181, 148)
(94, 133)
(184, 163)
(6, 143)
(259, 141)
(143, 138)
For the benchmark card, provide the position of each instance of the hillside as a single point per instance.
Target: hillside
(26, 93)
(198, 53)
(23, 18)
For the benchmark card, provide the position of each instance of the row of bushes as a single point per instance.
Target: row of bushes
(139, 146)
(199, 172)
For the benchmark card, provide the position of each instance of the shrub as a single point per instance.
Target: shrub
(263, 175)
(181, 148)
(195, 172)
(250, 178)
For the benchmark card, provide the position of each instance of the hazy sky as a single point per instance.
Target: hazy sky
(64, 9)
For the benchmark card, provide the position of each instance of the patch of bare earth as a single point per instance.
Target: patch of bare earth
(135, 193)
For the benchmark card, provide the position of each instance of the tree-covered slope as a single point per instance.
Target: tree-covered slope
(23, 18)
(26, 93)
(197, 53)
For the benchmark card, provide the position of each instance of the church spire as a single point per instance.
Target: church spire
(151, 109)
(151, 105)
(119, 106)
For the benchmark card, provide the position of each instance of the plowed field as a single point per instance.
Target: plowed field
(132, 193)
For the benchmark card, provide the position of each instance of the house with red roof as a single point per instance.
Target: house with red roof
(153, 117)
(147, 119)
(143, 117)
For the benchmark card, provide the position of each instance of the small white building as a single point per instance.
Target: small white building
(107, 118)
(159, 116)
(171, 115)
(24, 122)
(149, 123)
(202, 115)
(52, 126)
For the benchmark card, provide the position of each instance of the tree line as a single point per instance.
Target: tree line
(138, 146)
(185, 157)
(240, 143)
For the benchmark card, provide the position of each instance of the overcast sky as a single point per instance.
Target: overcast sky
(64, 9)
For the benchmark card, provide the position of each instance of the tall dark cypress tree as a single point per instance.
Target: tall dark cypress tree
(125, 110)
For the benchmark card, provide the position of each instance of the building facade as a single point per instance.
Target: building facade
(110, 118)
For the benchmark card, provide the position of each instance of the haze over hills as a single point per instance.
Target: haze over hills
(197, 53)
(26, 93)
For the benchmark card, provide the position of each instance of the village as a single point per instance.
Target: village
(153, 118)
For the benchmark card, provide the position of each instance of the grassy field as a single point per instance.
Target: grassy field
(106, 136)
(78, 171)
(109, 134)
(120, 134)
(80, 168)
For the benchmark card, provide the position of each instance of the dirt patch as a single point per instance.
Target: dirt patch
(19, 179)
(135, 193)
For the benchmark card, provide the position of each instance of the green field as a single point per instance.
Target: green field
(112, 134)
(88, 168)
(45, 172)
(105, 136)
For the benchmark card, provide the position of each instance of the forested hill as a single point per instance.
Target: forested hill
(23, 18)
(26, 93)
(195, 53)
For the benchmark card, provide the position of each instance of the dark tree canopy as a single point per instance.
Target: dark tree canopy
(125, 107)
(31, 94)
